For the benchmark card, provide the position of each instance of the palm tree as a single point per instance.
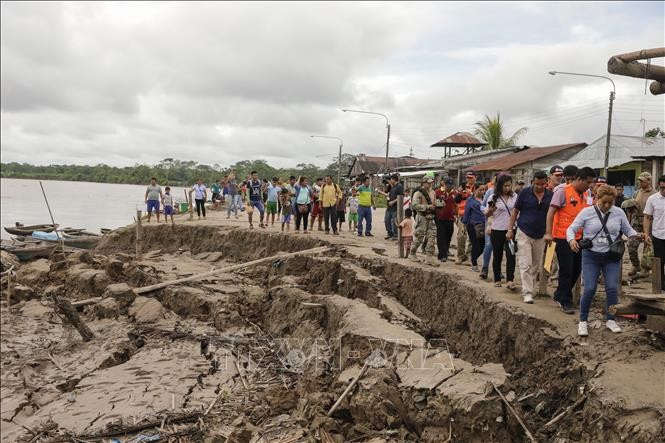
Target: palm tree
(490, 130)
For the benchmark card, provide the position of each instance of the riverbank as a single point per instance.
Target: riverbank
(277, 344)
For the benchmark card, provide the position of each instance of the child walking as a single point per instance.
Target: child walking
(287, 208)
(406, 226)
(353, 209)
(167, 202)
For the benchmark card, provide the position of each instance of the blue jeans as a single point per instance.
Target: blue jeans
(487, 254)
(235, 203)
(364, 213)
(592, 265)
(389, 220)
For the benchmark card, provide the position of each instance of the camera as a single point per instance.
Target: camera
(585, 243)
(493, 201)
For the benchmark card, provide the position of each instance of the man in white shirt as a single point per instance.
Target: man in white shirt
(654, 224)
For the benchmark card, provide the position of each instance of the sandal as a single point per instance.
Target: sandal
(251, 226)
(497, 284)
(510, 286)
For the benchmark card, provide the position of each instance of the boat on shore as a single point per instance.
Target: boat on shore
(72, 238)
(20, 229)
(26, 251)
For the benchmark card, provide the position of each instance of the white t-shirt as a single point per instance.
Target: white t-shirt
(655, 207)
(199, 191)
(168, 200)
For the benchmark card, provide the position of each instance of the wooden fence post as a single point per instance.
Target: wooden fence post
(400, 217)
(139, 234)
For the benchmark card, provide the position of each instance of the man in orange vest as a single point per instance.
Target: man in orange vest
(567, 202)
(465, 191)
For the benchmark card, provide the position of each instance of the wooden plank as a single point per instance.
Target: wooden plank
(649, 297)
(228, 269)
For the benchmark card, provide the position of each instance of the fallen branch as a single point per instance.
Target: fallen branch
(157, 286)
(86, 302)
(565, 412)
(514, 412)
(348, 388)
(65, 307)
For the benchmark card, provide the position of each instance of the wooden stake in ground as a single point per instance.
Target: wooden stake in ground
(157, 286)
(656, 275)
(139, 234)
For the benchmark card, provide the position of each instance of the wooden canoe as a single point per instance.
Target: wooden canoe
(28, 230)
(28, 251)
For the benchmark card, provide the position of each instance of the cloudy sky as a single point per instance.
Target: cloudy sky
(122, 83)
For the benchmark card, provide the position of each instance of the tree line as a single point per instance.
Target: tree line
(168, 171)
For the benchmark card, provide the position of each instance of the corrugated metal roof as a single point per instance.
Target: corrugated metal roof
(533, 153)
(459, 139)
(622, 150)
(372, 165)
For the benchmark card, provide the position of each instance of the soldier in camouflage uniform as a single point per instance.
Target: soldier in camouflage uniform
(422, 204)
(635, 212)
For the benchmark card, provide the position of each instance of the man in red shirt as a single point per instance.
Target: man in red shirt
(446, 209)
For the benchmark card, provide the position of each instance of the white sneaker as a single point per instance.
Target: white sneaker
(528, 299)
(582, 329)
(613, 326)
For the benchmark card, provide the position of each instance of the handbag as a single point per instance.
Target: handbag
(618, 246)
(303, 208)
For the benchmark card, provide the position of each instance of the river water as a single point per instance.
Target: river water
(74, 204)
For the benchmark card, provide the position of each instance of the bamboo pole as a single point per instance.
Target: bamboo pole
(157, 286)
(348, 388)
(55, 227)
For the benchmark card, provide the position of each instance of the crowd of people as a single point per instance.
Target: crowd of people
(571, 210)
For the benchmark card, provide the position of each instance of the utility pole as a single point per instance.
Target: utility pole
(387, 127)
(606, 164)
(339, 157)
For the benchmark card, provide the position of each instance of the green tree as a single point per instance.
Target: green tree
(654, 132)
(491, 131)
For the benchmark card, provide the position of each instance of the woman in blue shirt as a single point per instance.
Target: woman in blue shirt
(474, 219)
(597, 258)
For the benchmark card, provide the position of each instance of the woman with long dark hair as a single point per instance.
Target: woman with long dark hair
(302, 203)
(500, 207)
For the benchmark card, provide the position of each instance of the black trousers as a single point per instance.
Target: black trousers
(499, 246)
(570, 267)
(330, 218)
(302, 217)
(477, 244)
(200, 207)
(444, 234)
(659, 251)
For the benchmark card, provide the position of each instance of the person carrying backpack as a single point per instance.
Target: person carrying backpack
(330, 195)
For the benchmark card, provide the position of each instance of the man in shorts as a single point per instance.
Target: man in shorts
(254, 186)
(153, 194)
(273, 197)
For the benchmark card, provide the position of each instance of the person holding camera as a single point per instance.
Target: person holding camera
(602, 250)
(446, 208)
(567, 202)
(500, 207)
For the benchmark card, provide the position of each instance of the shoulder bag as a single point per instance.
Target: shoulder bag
(618, 246)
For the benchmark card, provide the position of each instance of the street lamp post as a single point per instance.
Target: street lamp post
(387, 127)
(609, 118)
(339, 158)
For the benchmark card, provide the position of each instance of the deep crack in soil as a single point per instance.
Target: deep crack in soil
(267, 351)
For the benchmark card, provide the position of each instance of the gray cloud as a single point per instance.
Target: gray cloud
(220, 82)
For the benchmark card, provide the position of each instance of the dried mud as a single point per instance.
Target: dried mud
(267, 351)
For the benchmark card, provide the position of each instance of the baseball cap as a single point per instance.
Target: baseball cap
(427, 178)
(520, 182)
(470, 174)
(601, 179)
(556, 169)
(449, 181)
(645, 176)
